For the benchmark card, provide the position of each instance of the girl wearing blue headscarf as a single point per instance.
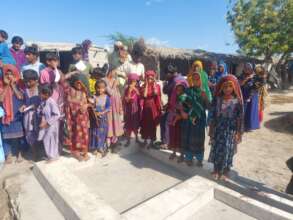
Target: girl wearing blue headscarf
(222, 71)
(5, 55)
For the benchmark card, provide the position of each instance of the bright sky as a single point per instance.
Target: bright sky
(195, 24)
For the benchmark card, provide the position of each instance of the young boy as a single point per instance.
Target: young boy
(32, 59)
(17, 52)
(51, 75)
(5, 55)
(77, 54)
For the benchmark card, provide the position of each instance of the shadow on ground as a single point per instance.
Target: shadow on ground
(282, 124)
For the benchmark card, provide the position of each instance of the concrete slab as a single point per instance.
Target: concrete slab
(127, 181)
(220, 211)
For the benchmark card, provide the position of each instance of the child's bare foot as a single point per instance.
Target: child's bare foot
(189, 163)
(180, 159)
(127, 143)
(222, 177)
(78, 156)
(85, 157)
(164, 146)
(9, 159)
(19, 158)
(51, 160)
(215, 175)
(95, 152)
(172, 156)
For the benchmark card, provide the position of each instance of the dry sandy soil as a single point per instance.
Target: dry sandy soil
(261, 156)
(263, 153)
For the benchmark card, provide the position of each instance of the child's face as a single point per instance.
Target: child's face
(77, 56)
(133, 83)
(196, 69)
(179, 90)
(221, 69)
(16, 46)
(77, 85)
(228, 89)
(101, 88)
(8, 77)
(31, 83)
(196, 80)
(1, 39)
(150, 80)
(31, 58)
(44, 96)
(52, 63)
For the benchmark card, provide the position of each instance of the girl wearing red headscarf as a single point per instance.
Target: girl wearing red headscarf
(150, 104)
(12, 100)
(226, 125)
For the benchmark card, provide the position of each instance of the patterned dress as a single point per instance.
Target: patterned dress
(30, 117)
(150, 111)
(131, 111)
(100, 131)
(193, 133)
(115, 114)
(226, 119)
(77, 120)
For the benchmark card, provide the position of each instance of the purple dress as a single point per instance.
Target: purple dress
(49, 111)
(30, 122)
(19, 57)
(99, 132)
(250, 98)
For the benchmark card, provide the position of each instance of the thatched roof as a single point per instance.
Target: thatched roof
(189, 54)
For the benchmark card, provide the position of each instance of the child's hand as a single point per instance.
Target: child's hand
(194, 120)
(238, 137)
(21, 109)
(44, 124)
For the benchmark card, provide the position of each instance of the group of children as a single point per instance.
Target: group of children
(85, 109)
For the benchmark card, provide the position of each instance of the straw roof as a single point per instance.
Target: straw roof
(188, 54)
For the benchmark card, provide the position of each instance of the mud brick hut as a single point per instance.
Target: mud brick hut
(158, 58)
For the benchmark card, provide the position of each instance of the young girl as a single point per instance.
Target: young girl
(225, 125)
(250, 98)
(193, 125)
(150, 107)
(115, 129)
(49, 116)
(12, 99)
(174, 113)
(262, 90)
(31, 103)
(131, 107)
(102, 106)
(77, 116)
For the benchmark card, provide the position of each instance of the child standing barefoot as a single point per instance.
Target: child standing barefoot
(31, 103)
(77, 116)
(12, 100)
(193, 125)
(225, 125)
(102, 106)
(174, 113)
(150, 107)
(131, 107)
(49, 115)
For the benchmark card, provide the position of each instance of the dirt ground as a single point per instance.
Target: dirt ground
(263, 153)
(261, 156)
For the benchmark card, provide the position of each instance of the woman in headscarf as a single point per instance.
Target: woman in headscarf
(194, 115)
(226, 123)
(249, 89)
(197, 66)
(150, 107)
(12, 99)
(77, 116)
